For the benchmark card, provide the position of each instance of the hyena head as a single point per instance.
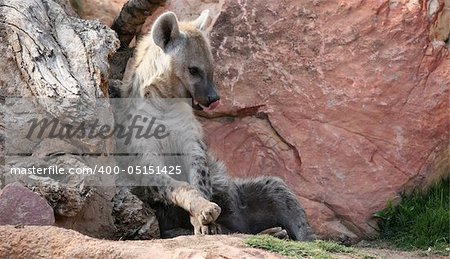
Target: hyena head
(191, 62)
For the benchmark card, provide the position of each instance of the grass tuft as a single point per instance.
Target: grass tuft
(293, 249)
(420, 221)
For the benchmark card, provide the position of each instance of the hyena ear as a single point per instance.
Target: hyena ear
(165, 29)
(203, 21)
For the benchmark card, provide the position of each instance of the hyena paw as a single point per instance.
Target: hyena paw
(277, 232)
(210, 213)
(203, 218)
(209, 229)
(206, 212)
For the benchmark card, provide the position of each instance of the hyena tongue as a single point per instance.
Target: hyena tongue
(214, 105)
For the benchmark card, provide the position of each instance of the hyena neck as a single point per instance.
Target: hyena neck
(162, 87)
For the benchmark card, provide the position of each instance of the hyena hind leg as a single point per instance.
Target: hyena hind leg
(266, 204)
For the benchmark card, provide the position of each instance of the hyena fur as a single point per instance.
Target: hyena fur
(174, 60)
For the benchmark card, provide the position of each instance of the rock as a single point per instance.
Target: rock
(105, 11)
(53, 242)
(133, 218)
(95, 219)
(49, 53)
(21, 206)
(355, 95)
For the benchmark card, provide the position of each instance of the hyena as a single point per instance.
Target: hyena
(174, 61)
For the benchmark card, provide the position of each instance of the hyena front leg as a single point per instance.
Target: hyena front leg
(201, 180)
(200, 177)
(203, 213)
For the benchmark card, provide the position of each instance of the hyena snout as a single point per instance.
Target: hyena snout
(212, 98)
(209, 98)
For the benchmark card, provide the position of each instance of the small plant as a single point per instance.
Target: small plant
(420, 221)
(293, 249)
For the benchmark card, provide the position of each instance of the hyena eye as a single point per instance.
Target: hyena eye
(194, 71)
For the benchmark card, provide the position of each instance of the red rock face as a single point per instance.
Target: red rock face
(355, 102)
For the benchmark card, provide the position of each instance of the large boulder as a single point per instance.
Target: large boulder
(355, 102)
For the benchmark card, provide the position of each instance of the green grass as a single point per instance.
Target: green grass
(294, 249)
(421, 220)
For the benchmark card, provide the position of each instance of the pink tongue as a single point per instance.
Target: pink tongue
(214, 105)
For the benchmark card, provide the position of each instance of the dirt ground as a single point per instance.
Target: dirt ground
(381, 250)
(54, 242)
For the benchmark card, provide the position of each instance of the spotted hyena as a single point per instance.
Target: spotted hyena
(174, 61)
